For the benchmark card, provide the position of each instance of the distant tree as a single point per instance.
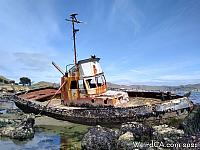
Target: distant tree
(12, 81)
(6, 82)
(25, 81)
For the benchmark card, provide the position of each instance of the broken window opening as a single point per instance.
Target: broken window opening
(99, 80)
(106, 101)
(73, 85)
(91, 82)
(81, 86)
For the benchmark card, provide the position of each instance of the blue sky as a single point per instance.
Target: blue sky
(138, 41)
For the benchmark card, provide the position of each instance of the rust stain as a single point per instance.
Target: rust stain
(39, 94)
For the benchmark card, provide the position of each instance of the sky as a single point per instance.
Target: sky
(139, 41)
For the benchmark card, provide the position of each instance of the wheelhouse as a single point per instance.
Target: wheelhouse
(83, 81)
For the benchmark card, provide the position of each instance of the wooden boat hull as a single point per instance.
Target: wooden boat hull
(103, 116)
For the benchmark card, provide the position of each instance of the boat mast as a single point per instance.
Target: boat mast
(74, 20)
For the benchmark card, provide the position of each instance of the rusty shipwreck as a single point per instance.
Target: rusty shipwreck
(83, 97)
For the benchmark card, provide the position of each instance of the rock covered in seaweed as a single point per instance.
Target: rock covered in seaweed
(132, 135)
(99, 138)
(167, 134)
(107, 139)
(140, 131)
(20, 131)
(191, 124)
(4, 122)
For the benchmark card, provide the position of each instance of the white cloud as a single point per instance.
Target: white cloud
(156, 74)
(28, 29)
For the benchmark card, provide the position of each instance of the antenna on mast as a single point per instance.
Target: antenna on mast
(74, 20)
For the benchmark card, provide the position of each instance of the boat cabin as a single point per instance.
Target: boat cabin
(83, 82)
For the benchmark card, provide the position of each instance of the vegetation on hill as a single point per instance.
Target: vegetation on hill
(4, 80)
(43, 84)
(25, 81)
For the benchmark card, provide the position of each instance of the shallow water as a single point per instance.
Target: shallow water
(41, 140)
(56, 137)
(49, 137)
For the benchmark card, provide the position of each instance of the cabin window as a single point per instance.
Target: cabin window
(81, 86)
(73, 84)
(91, 82)
(100, 80)
(104, 79)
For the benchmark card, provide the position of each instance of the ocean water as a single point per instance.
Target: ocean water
(195, 97)
(41, 141)
(56, 138)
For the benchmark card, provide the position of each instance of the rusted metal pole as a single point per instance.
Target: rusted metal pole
(74, 20)
(57, 67)
(74, 39)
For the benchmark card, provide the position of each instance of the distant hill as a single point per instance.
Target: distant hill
(4, 80)
(42, 84)
(189, 87)
(5, 85)
(113, 85)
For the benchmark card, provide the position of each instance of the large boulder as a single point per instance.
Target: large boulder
(25, 129)
(191, 124)
(99, 138)
(20, 131)
(127, 137)
(127, 142)
(4, 122)
(140, 131)
(167, 134)
(133, 135)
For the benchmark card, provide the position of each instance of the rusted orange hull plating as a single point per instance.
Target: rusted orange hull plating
(40, 95)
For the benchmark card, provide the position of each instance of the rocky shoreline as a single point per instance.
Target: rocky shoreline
(15, 124)
(134, 135)
(21, 129)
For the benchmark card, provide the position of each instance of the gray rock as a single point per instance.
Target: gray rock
(167, 134)
(131, 135)
(99, 138)
(140, 131)
(4, 122)
(126, 136)
(191, 124)
(20, 131)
